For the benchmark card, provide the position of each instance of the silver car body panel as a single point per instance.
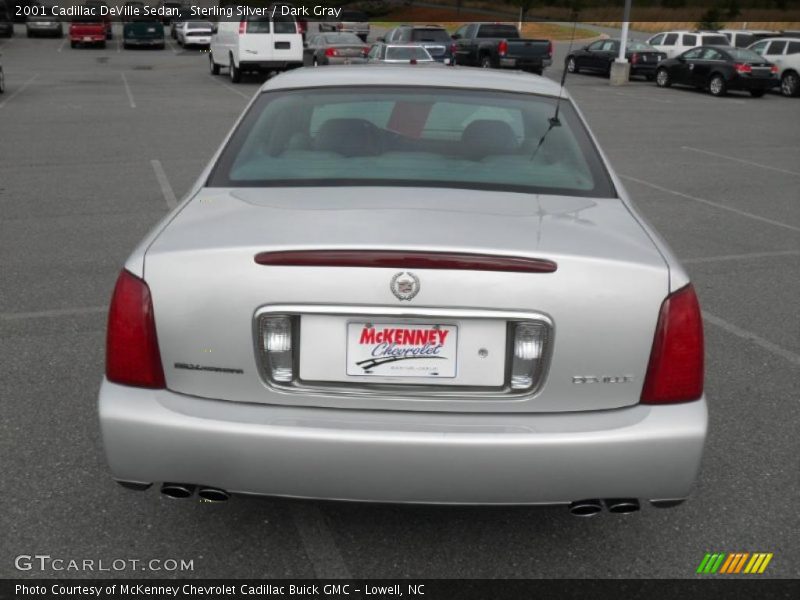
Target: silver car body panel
(650, 452)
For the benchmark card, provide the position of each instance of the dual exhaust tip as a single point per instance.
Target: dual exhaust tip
(589, 508)
(185, 490)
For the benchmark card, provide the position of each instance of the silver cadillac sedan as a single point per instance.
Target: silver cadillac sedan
(407, 284)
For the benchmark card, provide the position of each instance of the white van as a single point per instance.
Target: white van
(255, 43)
(673, 43)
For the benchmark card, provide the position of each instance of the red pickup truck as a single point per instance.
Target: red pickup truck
(87, 30)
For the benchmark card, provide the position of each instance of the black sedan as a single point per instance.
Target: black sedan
(719, 70)
(599, 55)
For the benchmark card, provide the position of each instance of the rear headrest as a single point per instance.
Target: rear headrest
(483, 137)
(349, 137)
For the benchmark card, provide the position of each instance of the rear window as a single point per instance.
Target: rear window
(744, 54)
(497, 31)
(689, 40)
(411, 136)
(341, 38)
(407, 53)
(430, 35)
(715, 40)
(794, 48)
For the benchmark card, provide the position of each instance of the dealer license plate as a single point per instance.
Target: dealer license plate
(402, 349)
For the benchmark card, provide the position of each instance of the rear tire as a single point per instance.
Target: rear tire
(663, 79)
(234, 71)
(717, 85)
(757, 93)
(102, 44)
(790, 84)
(73, 45)
(214, 66)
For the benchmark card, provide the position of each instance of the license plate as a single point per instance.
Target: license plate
(151, 30)
(401, 349)
(86, 38)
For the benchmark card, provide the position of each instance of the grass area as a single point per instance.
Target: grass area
(445, 18)
(656, 26)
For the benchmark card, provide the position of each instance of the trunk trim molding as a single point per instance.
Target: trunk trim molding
(402, 259)
(392, 392)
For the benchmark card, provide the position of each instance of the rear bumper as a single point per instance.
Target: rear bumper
(88, 39)
(650, 452)
(753, 83)
(144, 42)
(268, 65)
(510, 62)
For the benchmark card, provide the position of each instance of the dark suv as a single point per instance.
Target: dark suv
(433, 38)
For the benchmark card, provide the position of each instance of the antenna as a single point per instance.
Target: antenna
(554, 122)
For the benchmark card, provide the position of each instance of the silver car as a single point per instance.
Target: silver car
(39, 25)
(403, 284)
(194, 33)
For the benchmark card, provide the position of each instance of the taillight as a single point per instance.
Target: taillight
(242, 27)
(331, 52)
(634, 58)
(743, 68)
(675, 371)
(340, 26)
(365, 50)
(502, 48)
(774, 69)
(453, 48)
(132, 355)
(550, 49)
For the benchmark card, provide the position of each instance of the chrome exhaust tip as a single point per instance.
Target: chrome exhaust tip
(177, 490)
(622, 506)
(586, 508)
(213, 494)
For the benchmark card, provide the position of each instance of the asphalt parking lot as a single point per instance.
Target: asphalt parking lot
(97, 145)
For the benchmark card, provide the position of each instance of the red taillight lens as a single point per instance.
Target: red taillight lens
(502, 48)
(634, 58)
(675, 372)
(365, 51)
(242, 27)
(132, 356)
(743, 68)
(550, 49)
(331, 52)
(340, 26)
(774, 69)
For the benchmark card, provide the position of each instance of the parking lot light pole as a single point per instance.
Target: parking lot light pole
(620, 68)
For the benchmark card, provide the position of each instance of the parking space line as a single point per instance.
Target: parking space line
(750, 336)
(728, 257)
(61, 45)
(719, 205)
(233, 89)
(119, 45)
(163, 181)
(59, 312)
(741, 160)
(318, 542)
(172, 47)
(128, 90)
(21, 89)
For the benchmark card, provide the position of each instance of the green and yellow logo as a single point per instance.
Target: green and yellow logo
(732, 563)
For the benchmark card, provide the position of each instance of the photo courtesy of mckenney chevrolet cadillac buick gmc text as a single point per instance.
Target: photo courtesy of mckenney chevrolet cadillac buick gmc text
(407, 284)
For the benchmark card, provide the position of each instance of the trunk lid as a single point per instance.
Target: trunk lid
(603, 300)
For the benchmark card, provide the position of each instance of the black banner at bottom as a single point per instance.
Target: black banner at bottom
(390, 589)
